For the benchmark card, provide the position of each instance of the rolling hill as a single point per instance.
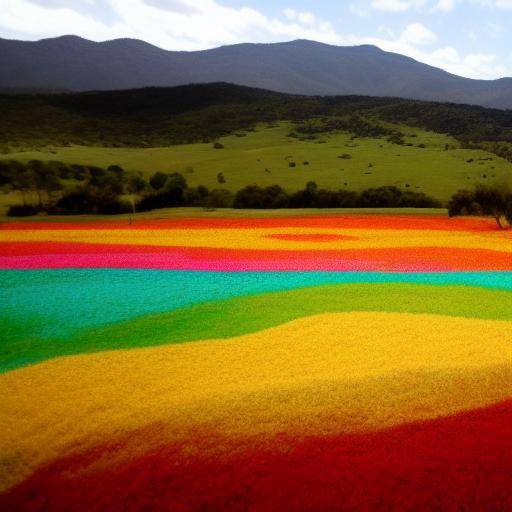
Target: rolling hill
(228, 136)
(156, 117)
(297, 67)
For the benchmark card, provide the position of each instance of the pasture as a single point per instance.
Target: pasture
(199, 360)
(263, 157)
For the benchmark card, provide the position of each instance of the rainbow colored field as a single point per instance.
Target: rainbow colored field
(300, 364)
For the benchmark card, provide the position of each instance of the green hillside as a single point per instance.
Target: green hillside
(263, 138)
(263, 157)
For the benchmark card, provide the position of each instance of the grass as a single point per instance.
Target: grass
(200, 391)
(262, 157)
(257, 312)
(192, 212)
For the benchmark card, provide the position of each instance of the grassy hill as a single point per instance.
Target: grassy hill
(263, 157)
(156, 117)
(350, 143)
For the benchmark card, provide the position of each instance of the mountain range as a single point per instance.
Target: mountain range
(71, 63)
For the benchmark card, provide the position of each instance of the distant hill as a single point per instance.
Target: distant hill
(203, 112)
(297, 67)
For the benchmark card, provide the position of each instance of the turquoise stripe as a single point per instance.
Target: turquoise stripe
(55, 303)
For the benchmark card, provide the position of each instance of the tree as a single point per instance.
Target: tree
(172, 194)
(88, 199)
(117, 170)
(382, 197)
(134, 186)
(256, 197)
(219, 198)
(196, 196)
(13, 176)
(157, 181)
(491, 201)
(5, 174)
(305, 198)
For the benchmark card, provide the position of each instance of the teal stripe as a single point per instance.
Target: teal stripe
(56, 303)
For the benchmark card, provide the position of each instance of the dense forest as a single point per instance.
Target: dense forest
(198, 113)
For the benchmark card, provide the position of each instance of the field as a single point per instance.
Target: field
(218, 362)
(262, 157)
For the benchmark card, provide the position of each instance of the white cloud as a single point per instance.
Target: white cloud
(59, 4)
(291, 14)
(170, 24)
(499, 4)
(304, 17)
(433, 6)
(418, 34)
(445, 5)
(417, 41)
(179, 6)
(358, 10)
(396, 5)
(391, 5)
(307, 18)
(386, 31)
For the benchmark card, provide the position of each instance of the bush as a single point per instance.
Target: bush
(382, 197)
(393, 197)
(157, 181)
(22, 211)
(219, 198)
(218, 145)
(256, 197)
(89, 201)
(167, 199)
(195, 196)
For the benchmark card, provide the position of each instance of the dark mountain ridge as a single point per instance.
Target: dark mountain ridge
(297, 67)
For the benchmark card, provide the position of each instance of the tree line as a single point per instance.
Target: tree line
(58, 188)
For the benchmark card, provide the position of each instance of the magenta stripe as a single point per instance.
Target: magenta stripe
(180, 261)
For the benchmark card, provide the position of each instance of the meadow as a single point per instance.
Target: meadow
(198, 360)
(263, 157)
(206, 358)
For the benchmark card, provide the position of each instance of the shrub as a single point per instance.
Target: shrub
(116, 169)
(219, 198)
(256, 197)
(195, 196)
(382, 197)
(218, 145)
(24, 210)
(393, 197)
(157, 181)
(89, 200)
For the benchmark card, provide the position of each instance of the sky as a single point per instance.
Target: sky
(467, 37)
